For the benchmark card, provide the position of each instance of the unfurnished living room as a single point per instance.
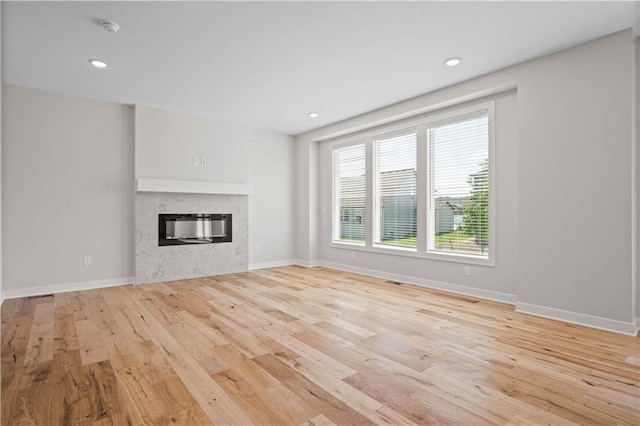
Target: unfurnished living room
(320, 213)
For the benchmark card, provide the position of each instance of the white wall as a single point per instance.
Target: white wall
(271, 206)
(306, 190)
(562, 251)
(67, 191)
(1, 285)
(167, 142)
(575, 151)
(69, 161)
(637, 188)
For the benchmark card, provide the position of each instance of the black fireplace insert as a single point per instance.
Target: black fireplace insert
(184, 228)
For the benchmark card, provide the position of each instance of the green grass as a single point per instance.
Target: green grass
(408, 241)
(440, 239)
(412, 241)
(455, 235)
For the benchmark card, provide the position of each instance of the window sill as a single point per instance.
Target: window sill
(409, 252)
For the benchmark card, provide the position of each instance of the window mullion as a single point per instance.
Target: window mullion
(421, 188)
(369, 201)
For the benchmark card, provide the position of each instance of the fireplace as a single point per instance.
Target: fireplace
(184, 228)
(185, 260)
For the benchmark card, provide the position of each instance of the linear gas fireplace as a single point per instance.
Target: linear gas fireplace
(179, 229)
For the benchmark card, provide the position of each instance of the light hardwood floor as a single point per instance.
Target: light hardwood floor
(304, 346)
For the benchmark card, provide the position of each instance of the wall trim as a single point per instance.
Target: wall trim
(370, 121)
(273, 264)
(307, 263)
(606, 324)
(65, 287)
(192, 187)
(435, 285)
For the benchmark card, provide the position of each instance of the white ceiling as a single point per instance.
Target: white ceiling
(267, 64)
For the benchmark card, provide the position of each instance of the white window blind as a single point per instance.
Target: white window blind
(350, 193)
(458, 158)
(420, 188)
(394, 175)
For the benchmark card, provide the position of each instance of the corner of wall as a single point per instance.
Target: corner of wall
(302, 199)
(635, 142)
(1, 292)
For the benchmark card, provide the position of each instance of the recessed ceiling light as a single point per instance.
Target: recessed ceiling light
(313, 114)
(452, 62)
(98, 63)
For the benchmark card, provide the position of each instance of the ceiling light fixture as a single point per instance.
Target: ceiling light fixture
(98, 63)
(313, 114)
(452, 62)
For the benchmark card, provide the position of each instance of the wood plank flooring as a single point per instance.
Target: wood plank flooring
(297, 346)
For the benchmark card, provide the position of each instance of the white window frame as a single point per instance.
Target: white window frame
(374, 206)
(335, 208)
(421, 124)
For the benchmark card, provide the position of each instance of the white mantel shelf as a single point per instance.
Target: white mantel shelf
(192, 187)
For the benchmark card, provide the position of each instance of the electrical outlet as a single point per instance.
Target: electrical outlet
(279, 246)
(467, 270)
(203, 162)
(258, 248)
(87, 260)
(196, 161)
(353, 254)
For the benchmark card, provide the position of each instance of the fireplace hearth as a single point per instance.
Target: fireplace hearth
(189, 258)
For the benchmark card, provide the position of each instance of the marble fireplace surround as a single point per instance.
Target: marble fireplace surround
(155, 263)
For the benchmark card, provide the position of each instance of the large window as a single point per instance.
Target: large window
(423, 188)
(349, 193)
(458, 159)
(394, 188)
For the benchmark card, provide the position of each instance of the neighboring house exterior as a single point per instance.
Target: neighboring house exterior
(399, 211)
(352, 209)
(448, 216)
(479, 181)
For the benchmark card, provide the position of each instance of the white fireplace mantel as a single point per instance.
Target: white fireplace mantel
(192, 187)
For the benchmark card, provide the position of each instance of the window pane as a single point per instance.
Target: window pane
(459, 166)
(349, 191)
(395, 190)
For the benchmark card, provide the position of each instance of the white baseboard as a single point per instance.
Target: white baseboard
(307, 263)
(630, 328)
(274, 264)
(627, 328)
(63, 288)
(436, 285)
